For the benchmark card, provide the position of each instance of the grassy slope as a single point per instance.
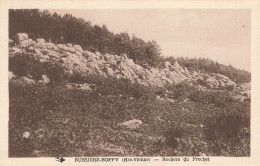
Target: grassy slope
(66, 122)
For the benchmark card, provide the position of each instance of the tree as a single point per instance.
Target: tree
(122, 43)
(152, 51)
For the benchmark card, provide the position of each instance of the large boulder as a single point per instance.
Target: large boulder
(62, 47)
(23, 81)
(131, 124)
(69, 45)
(212, 82)
(124, 56)
(11, 75)
(24, 43)
(40, 40)
(21, 36)
(11, 43)
(109, 71)
(21, 40)
(78, 48)
(45, 79)
(86, 87)
(167, 64)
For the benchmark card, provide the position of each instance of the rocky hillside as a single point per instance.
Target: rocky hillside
(65, 101)
(75, 61)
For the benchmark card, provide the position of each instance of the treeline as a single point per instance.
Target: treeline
(209, 66)
(69, 29)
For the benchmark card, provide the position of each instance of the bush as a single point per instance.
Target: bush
(125, 87)
(226, 126)
(202, 82)
(220, 99)
(179, 91)
(171, 135)
(160, 92)
(54, 71)
(20, 147)
(230, 87)
(27, 64)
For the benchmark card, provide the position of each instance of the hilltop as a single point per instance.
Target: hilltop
(65, 29)
(75, 64)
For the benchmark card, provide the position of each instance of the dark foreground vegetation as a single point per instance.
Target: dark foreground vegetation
(64, 122)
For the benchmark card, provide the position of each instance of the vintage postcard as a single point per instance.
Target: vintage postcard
(130, 82)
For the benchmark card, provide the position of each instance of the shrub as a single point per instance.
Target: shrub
(76, 78)
(179, 91)
(26, 64)
(54, 71)
(230, 87)
(160, 92)
(220, 99)
(226, 126)
(114, 86)
(202, 82)
(20, 147)
(171, 135)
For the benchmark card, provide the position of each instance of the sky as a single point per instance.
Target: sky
(222, 35)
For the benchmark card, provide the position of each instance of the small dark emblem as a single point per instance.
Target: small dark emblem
(60, 159)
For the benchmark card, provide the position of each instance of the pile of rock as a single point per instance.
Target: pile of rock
(86, 87)
(23, 81)
(243, 91)
(75, 60)
(22, 40)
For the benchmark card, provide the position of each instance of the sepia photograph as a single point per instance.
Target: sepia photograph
(129, 82)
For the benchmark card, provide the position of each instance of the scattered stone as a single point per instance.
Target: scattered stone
(71, 142)
(45, 79)
(26, 134)
(78, 48)
(11, 75)
(38, 153)
(11, 43)
(202, 154)
(109, 71)
(140, 153)
(69, 45)
(40, 40)
(132, 124)
(23, 81)
(122, 150)
(14, 49)
(167, 64)
(186, 100)
(160, 98)
(40, 136)
(85, 86)
(170, 100)
(124, 56)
